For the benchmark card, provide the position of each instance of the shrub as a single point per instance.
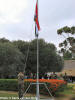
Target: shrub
(54, 85)
(8, 84)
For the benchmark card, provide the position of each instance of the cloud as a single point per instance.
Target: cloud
(17, 18)
(11, 10)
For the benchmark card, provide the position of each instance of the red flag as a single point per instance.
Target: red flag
(36, 17)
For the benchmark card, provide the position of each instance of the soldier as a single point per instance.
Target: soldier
(21, 84)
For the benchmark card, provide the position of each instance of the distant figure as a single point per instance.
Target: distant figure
(31, 75)
(21, 84)
(45, 76)
(65, 77)
(34, 76)
(53, 76)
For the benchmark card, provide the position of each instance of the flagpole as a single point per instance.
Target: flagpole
(37, 89)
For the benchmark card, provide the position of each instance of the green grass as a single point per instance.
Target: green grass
(68, 90)
(8, 95)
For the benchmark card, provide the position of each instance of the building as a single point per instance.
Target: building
(69, 69)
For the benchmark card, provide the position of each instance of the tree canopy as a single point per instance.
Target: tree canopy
(11, 60)
(13, 56)
(68, 45)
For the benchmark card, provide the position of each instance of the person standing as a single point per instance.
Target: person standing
(20, 84)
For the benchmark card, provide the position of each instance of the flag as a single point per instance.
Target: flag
(37, 26)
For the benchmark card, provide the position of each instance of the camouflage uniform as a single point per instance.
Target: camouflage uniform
(21, 84)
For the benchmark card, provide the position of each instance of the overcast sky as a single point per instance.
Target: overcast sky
(17, 18)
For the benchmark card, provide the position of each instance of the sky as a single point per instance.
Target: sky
(17, 19)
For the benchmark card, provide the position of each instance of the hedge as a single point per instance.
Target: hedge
(9, 84)
(12, 85)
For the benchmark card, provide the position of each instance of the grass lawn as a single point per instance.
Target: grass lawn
(69, 90)
(13, 95)
(68, 93)
(7, 95)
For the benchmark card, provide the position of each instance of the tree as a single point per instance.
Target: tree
(49, 61)
(69, 42)
(67, 55)
(10, 60)
(3, 40)
(23, 47)
(13, 57)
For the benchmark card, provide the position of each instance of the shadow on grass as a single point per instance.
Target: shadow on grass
(73, 98)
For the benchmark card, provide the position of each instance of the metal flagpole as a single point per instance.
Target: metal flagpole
(37, 89)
